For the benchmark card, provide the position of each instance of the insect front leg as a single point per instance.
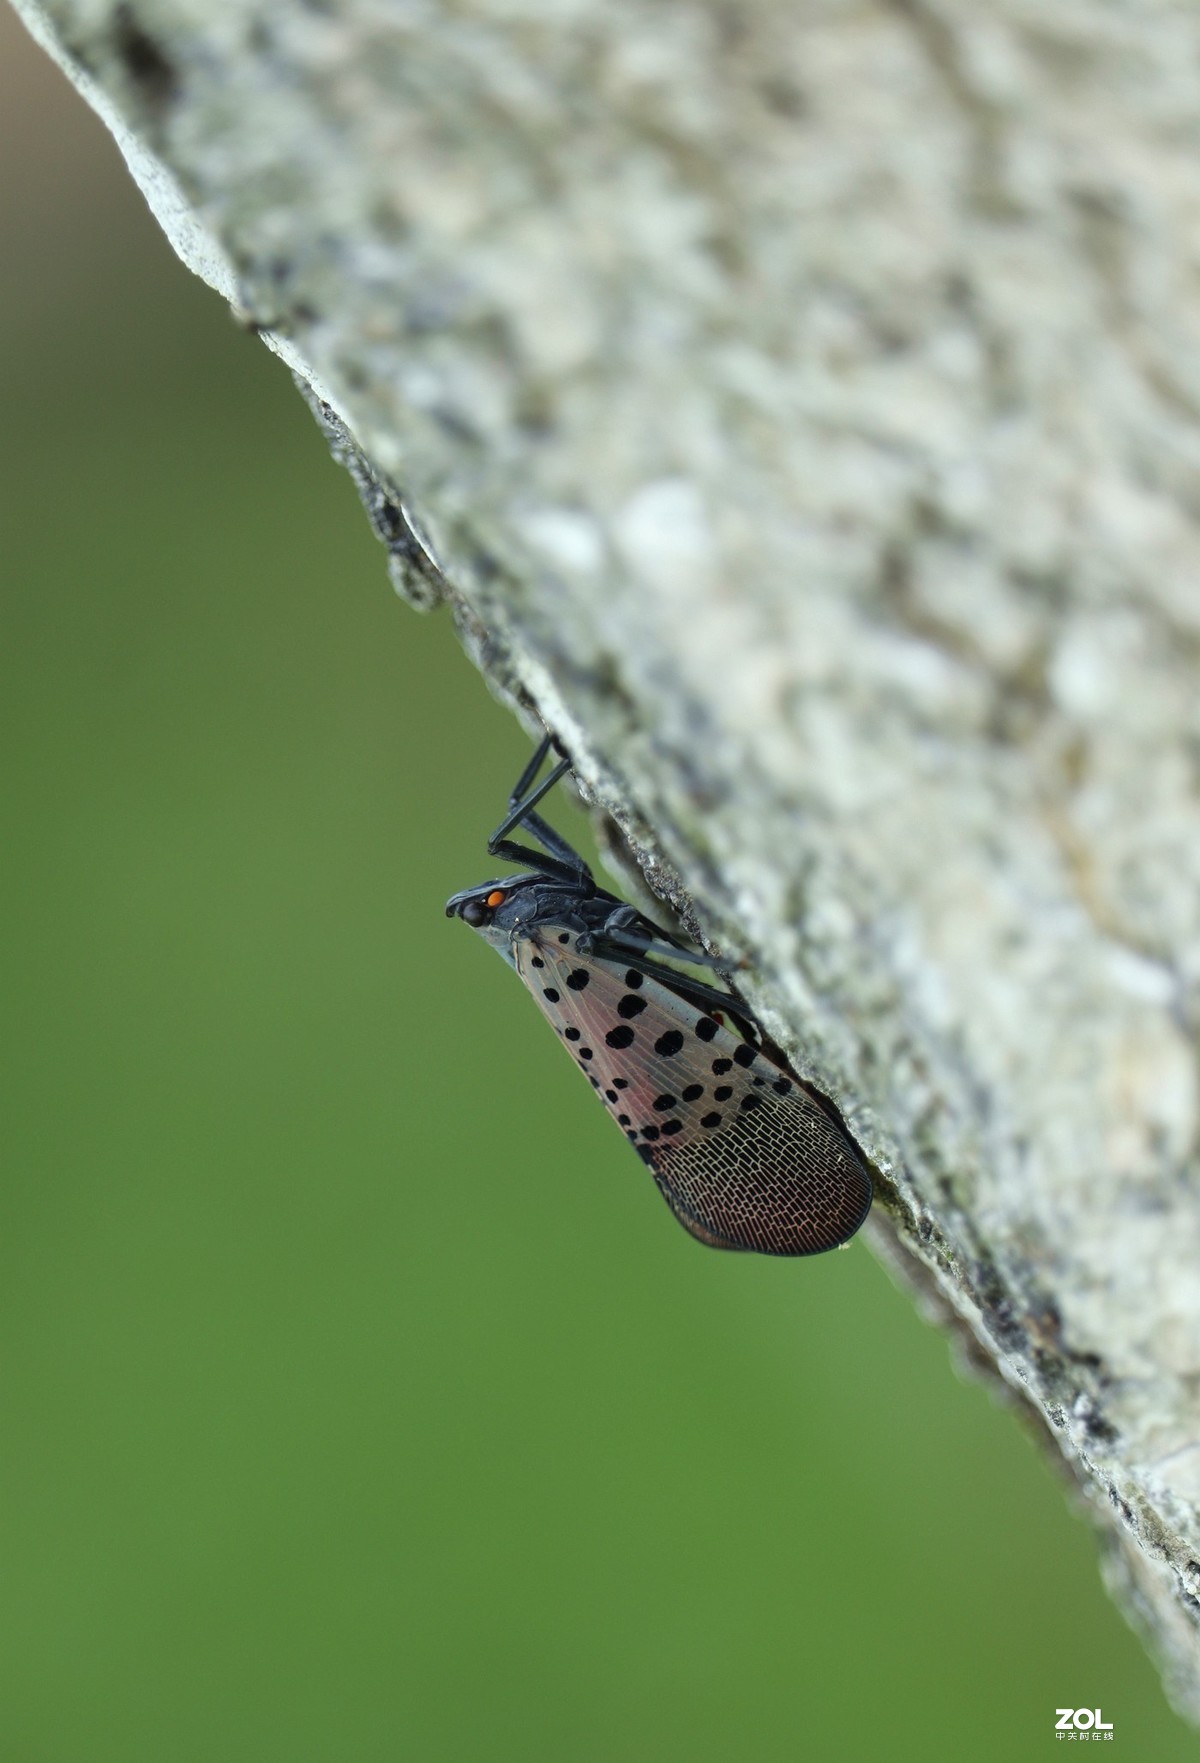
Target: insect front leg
(523, 783)
(522, 801)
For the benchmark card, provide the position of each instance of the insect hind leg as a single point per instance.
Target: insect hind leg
(634, 942)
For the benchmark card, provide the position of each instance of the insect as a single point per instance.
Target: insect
(746, 1155)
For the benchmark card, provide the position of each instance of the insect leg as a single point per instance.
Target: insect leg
(622, 927)
(514, 853)
(563, 860)
(693, 990)
(521, 804)
(634, 943)
(531, 770)
(520, 808)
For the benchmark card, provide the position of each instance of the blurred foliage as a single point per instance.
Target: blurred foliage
(361, 1398)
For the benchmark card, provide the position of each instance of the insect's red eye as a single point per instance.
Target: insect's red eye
(496, 898)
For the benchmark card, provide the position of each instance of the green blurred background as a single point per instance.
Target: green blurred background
(361, 1400)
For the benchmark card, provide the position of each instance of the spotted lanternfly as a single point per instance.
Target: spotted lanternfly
(746, 1154)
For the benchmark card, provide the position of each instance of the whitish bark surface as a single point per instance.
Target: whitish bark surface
(798, 405)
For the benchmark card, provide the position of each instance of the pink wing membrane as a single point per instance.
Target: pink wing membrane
(743, 1155)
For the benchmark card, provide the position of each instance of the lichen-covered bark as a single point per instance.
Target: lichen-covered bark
(799, 407)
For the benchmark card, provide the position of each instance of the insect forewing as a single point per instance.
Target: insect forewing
(742, 1153)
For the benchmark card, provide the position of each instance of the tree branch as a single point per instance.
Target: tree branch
(798, 409)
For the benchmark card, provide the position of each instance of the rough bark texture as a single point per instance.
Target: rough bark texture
(798, 406)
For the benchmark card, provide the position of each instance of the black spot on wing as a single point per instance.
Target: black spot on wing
(745, 1055)
(550, 995)
(706, 1028)
(668, 1044)
(634, 980)
(578, 979)
(621, 1036)
(630, 1006)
